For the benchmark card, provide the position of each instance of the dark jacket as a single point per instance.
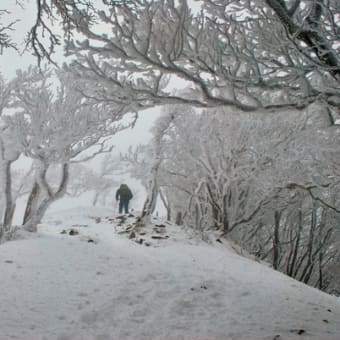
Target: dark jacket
(124, 193)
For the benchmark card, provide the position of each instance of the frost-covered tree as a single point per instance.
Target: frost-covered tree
(211, 170)
(153, 188)
(9, 152)
(268, 182)
(5, 94)
(5, 31)
(247, 55)
(302, 240)
(102, 182)
(313, 26)
(234, 53)
(145, 161)
(56, 127)
(44, 36)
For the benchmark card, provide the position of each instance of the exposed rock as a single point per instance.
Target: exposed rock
(159, 230)
(132, 235)
(298, 331)
(159, 237)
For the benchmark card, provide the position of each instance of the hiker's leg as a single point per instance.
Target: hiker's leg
(120, 207)
(126, 207)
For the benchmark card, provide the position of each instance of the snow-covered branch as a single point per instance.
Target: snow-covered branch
(56, 127)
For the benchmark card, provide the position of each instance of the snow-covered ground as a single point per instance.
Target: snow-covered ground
(100, 284)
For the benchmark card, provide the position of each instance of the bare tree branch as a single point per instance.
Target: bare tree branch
(310, 192)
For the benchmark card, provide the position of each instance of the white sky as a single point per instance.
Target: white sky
(11, 60)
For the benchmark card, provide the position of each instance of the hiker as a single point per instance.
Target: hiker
(124, 195)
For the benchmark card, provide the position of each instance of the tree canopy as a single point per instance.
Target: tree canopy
(249, 55)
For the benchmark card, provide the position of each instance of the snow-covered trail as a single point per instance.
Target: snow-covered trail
(60, 286)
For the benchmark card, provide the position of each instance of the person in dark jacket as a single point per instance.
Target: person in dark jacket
(124, 196)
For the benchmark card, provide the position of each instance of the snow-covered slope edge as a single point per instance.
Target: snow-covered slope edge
(101, 284)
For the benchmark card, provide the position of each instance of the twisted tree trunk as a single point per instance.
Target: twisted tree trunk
(42, 196)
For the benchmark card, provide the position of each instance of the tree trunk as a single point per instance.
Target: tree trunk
(225, 214)
(95, 199)
(179, 218)
(150, 202)
(8, 206)
(296, 246)
(305, 276)
(38, 205)
(216, 214)
(276, 240)
(166, 204)
(31, 202)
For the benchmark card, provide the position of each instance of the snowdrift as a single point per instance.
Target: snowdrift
(88, 274)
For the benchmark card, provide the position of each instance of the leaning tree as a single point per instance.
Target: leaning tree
(55, 127)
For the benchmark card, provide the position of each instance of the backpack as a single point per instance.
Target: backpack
(125, 192)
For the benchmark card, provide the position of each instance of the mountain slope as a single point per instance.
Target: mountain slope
(100, 284)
